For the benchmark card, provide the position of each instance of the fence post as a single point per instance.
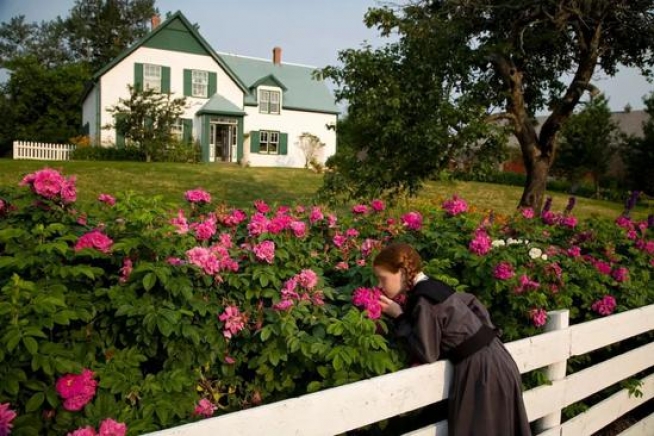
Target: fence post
(556, 320)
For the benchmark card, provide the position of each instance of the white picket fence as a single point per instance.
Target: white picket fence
(42, 151)
(337, 410)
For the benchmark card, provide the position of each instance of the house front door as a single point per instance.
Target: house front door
(222, 140)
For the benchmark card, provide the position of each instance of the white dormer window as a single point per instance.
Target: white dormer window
(152, 77)
(269, 101)
(200, 83)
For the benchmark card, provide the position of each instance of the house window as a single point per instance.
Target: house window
(177, 129)
(200, 83)
(269, 142)
(269, 101)
(152, 77)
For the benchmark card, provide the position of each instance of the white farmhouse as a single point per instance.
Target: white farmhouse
(239, 109)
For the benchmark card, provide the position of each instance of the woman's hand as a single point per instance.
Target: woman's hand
(390, 307)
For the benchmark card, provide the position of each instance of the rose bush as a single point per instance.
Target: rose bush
(136, 315)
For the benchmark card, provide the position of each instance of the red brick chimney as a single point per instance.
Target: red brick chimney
(155, 21)
(277, 55)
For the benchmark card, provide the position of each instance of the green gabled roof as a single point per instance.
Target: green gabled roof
(175, 33)
(220, 106)
(269, 80)
(302, 91)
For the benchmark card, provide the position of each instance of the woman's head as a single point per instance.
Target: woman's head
(396, 266)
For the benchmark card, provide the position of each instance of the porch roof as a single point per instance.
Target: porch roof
(219, 105)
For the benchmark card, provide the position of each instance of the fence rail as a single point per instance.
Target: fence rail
(337, 410)
(42, 151)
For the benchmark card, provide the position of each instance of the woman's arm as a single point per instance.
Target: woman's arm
(421, 332)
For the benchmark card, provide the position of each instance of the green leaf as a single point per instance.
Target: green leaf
(35, 402)
(149, 281)
(314, 386)
(31, 345)
(265, 333)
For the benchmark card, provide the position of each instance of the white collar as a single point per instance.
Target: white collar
(419, 278)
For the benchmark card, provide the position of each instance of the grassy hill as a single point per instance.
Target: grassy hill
(239, 186)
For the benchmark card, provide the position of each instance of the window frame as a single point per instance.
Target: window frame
(268, 104)
(265, 145)
(149, 79)
(177, 129)
(198, 83)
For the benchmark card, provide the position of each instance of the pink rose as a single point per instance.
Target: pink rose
(94, 239)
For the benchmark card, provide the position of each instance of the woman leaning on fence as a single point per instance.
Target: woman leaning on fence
(485, 396)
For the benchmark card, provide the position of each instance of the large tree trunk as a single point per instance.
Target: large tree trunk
(538, 149)
(536, 184)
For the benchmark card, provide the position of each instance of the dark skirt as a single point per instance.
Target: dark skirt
(486, 395)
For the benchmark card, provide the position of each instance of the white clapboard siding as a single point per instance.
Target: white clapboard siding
(337, 410)
(41, 151)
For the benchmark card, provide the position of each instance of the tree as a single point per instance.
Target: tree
(98, 30)
(41, 103)
(456, 62)
(146, 119)
(50, 63)
(310, 146)
(640, 154)
(589, 141)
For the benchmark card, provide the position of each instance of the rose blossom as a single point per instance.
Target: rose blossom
(605, 306)
(359, 209)
(265, 251)
(233, 319)
(620, 274)
(481, 244)
(6, 416)
(369, 300)
(528, 213)
(377, 205)
(77, 389)
(83, 431)
(109, 427)
(197, 196)
(503, 271)
(412, 220)
(107, 199)
(538, 317)
(455, 206)
(94, 239)
(204, 408)
(315, 215)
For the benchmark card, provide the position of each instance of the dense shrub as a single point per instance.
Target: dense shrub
(149, 317)
(108, 153)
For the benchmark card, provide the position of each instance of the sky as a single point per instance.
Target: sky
(310, 32)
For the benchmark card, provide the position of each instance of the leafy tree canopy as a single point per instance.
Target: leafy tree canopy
(50, 63)
(457, 64)
(640, 153)
(145, 119)
(589, 140)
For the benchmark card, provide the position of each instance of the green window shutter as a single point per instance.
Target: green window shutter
(165, 80)
(283, 143)
(188, 82)
(212, 84)
(120, 138)
(255, 139)
(188, 130)
(138, 77)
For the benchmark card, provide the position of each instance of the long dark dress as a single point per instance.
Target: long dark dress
(485, 395)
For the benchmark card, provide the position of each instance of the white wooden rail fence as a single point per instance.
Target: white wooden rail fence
(42, 151)
(337, 410)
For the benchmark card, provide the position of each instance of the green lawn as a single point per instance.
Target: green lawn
(239, 186)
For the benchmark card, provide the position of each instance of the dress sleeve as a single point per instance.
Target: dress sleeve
(421, 332)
